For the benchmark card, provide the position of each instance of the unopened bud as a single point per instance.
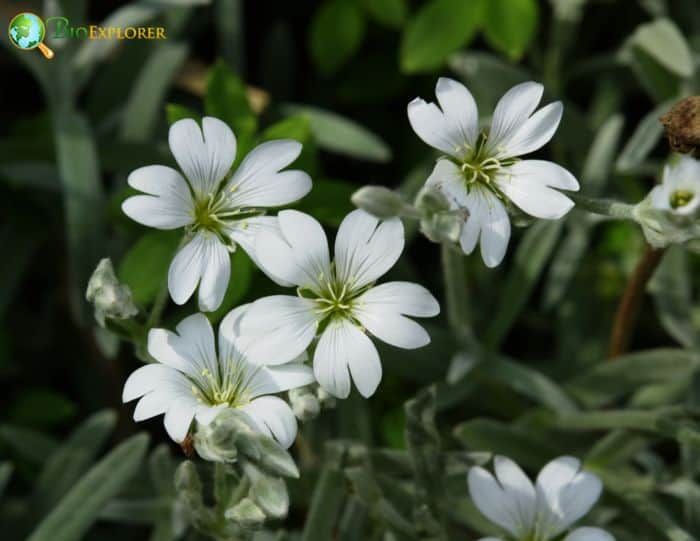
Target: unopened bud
(304, 403)
(443, 226)
(432, 200)
(268, 492)
(219, 441)
(682, 125)
(246, 514)
(111, 298)
(381, 202)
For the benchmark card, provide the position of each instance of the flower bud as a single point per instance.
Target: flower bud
(304, 403)
(443, 226)
(268, 492)
(110, 298)
(219, 441)
(380, 201)
(432, 200)
(246, 514)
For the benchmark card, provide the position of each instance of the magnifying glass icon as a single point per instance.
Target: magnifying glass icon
(27, 31)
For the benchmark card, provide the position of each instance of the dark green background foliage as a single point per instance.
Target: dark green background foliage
(532, 383)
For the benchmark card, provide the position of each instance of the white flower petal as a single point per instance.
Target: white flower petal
(430, 125)
(495, 503)
(589, 534)
(196, 342)
(189, 352)
(402, 297)
(205, 155)
(527, 184)
(230, 331)
(178, 419)
(276, 258)
(489, 222)
(366, 248)
(536, 131)
(168, 204)
(393, 328)
(273, 417)
(275, 379)
(258, 181)
(344, 349)
(145, 379)
(186, 269)
(309, 245)
(511, 112)
(447, 177)
(216, 272)
(565, 493)
(459, 109)
(278, 329)
(519, 488)
(151, 405)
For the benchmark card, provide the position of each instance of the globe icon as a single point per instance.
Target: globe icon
(27, 31)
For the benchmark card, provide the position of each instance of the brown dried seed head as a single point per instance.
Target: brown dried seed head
(682, 125)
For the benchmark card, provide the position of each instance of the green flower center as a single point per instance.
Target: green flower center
(680, 198)
(481, 166)
(334, 299)
(229, 386)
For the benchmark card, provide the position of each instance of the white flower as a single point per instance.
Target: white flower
(562, 495)
(192, 380)
(338, 300)
(217, 211)
(481, 172)
(679, 192)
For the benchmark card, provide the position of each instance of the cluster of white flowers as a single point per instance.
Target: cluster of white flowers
(262, 347)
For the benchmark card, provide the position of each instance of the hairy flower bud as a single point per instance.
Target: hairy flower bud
(219, 441)
(246, 514)
(682, 125)
(304, 403)
(268, 492)
(111, 298)
(382, 202)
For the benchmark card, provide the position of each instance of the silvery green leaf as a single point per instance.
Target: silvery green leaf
(28, 444)
(531, 256)
(671, 287)
(643, 140)
(80, 506)
(72, 458)
(529, 448)
(79, 170)
(143, 107)
(341, 135)
(662, 40)
(606, 382)
(326, 503)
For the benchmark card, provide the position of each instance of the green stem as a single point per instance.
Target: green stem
(456, 294)
(604, 207)
(158, 305)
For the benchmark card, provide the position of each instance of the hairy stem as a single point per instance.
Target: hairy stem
(631, 301)
(456, 294)
(604, 207)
